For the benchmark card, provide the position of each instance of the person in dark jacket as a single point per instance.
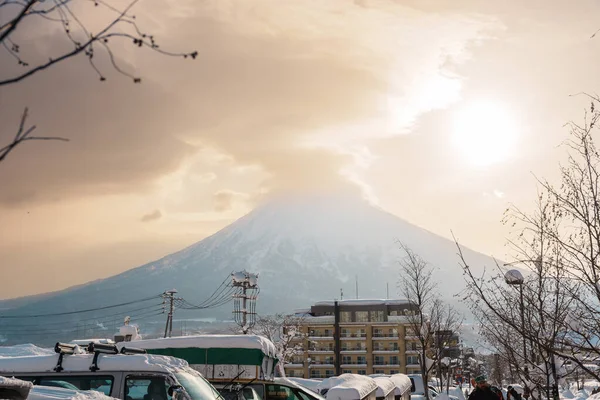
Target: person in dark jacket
(512, 394)
(482, 390)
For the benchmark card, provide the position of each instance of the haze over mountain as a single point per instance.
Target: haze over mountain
(304, 249)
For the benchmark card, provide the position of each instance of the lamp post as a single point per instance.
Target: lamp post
(514, 277)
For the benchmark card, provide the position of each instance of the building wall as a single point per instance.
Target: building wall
(366, 347)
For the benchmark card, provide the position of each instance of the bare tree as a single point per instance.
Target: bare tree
(21, 16)
(285, 331)
(431, 321)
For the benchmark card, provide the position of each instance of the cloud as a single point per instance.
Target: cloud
(287, 89)
(225, 200)
(153, 216)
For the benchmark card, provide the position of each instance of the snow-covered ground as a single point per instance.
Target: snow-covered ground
(24, 350)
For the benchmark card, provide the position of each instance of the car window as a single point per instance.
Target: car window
(146, 388)
(280, 392)
(97, 383)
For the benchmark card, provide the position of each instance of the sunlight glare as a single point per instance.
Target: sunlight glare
(485, 133)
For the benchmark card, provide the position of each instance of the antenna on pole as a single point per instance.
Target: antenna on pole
(357, 286)
(387, 284)
(341, 293)
(245, 315)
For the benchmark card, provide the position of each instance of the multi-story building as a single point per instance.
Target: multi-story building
(355, 336)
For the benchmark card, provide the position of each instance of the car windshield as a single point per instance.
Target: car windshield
(197, 387)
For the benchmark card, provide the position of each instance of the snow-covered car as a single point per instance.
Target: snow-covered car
(130, 375)
(17, 389)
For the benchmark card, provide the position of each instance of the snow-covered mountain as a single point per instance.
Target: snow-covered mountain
(304, 249)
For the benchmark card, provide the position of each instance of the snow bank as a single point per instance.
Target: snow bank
(348, 387)
(384, 386)
(206, 342)
(55, 393)
(24, 350)
(460, 394)
(137, 362)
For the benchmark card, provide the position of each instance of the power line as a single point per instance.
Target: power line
(99, 317)
(57, 330)
(79, 311)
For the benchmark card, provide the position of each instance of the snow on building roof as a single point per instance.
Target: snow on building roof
(56, 393)
(348, 387)
(402, 383)
(365, 302)
(23, 350)
(207, 342)
(82, 362)
(384, 386)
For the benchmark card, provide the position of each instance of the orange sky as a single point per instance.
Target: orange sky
(295, 95)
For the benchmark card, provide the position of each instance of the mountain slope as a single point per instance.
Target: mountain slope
(304, 249)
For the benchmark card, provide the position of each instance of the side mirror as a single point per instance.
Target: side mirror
(175, 391)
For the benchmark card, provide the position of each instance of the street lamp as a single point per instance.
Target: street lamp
(514, 277)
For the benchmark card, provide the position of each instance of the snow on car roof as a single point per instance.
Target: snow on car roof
(208, 341)
(348, 387)
(384, 385)
(82, 362)
(402, 382)
(22, 387)
(56, 393)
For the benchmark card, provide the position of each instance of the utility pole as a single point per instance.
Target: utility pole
(170, 295)
(341, 294)
(245, 315)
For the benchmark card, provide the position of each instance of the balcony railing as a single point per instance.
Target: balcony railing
(363, 362)
(385, 349)
(385, 335)
(354, 349)
(320, 349)
(354, 335)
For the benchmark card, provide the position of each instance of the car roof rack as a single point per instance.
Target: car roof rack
(62, 349)
(100, 348)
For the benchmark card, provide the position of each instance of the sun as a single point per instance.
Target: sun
(485, 133)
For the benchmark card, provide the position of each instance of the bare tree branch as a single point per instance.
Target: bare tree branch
(23, 135)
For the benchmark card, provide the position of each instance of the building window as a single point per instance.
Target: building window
(412, 360)
(345, 332)
(413, 346)
(393, 332)
(346, 360)
(376, 316)
(315, 373)
(361, 333)
(379, 371)
(362, 316)
(394, 360)
(361, 360)
(379, 360)
(394, 371)
(329, 373)
(362, 372)
(345, 316)
(394, 313)
(327, 333)
(378, 332)
(346, 371)
(395, 346)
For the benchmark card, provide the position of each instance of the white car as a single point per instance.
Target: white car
(16, 389)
